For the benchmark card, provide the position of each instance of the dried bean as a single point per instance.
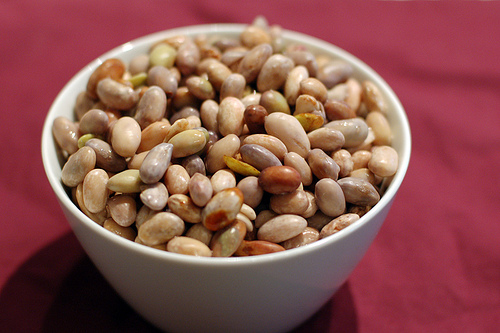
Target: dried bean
(383, 161)
(177, 179)
(338, 110)
(161, 228)
(355, 130)
(308, 236)
(187, 142)
(252, 62)
(222, 209)
(315, 88)
(295, 202)
(95, 191)
(274, 72)
(222, 179)
(359, 191)
(66, 134)
(381, 128)
(230, 116)
(226, 241)
(156, 163)
(274, 101)
(162, 55)
(164, 78)
(322, 165)
(338, 224)
(123, 209)
(282, 228)
(343, 159)
(125, 232)
(330, 197)
(189, 246)
(289, 130)
(200, 232)
(326, 138)
(151, 107)
(258, 156)
(279, 179)
(184, 207)
(116, 95)
(233, 85)
(188, 57)
(126, 136)
(255, 116)
(304, 58)
(77, 166)
(94, 121)
(227, 146)
(335, 72)
(297, 162)
(257, 247)
(252, 192)
(127, 181)
(154, 196)
(372, 97)
(110, 68)
(153, 135)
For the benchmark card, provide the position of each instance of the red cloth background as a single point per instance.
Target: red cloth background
(435, 265)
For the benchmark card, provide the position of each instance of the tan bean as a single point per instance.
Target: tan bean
(233, 85)
(77, 166)
(243, 218)
(187, 58)
(297, 162)
(282, 228)
(123, 209)
(274, 72)
(116, 95)
(257, 247)
(200, 232)
(296, 202)
(248, 211)
(222, 209)
(318, 220)
(271, 143)
(217, 73)
(289, 130)
(353, 98)
(304, 58)
(194, 164)
(366, 174)
(177, 179)
(338, 110)
(189, 246)
(94, 121)
(325, 138)
(372, 97)
(226, 146)
(384, 161)
(360, 159)
(226, 241)
(359, 191)
(253, 35)
(308, 236)
(291, 88)
(125, 232)
(164, 78)
(77, 195)
(208, 114)
(254, 117)
(355, 130)
(251, 98)
(177, 127)
(252, 62)
(230, 116)
(139, 64)
(126, 136)
(95, 191)
(330, 197)
(252, 192)
(222, 179)
(322, 165)
(161, 228)
(279, 179)
(200, 87)
(337, 224)
(143, 214)
(312, 208)
(381, 128)
(66, 134)
(184, 207)
(106, 157)
(83, 103)
(151, 107)
(274, 101)
(154, 196)
(343, 159)
(153, 134)
(127, 181)
(334, 72)
(200, 189)
(110, 68)
(360, 210)
(315, 88)
(306, 104)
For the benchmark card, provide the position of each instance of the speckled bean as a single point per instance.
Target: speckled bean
(322, 165)
(308, 236)
(282, 228)
(226, 146)
(188, 246)
(156, 163)
(161, 228)
(338, 224)
(359, 191)
(127, 181)
(222, 209)
(184, 207)
(154, 196)
(177, 179)
(330, 197)
(355, 130)
(295, 202)
(164, 78)
(383, 161)
(106, 157)
(252, 62)
(338, 110)
(151, 106)
(123, 209)
(343, 159)
(326, 138)
(289, 130)
(230, 116)
(77, 166)
(279, 179)
(94, 121)
(116, 95)
(126, 136)
(257, 247)
(95, 191)
(252, 192)
(66, 134)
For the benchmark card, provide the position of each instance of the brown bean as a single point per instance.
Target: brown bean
(222, 209)
(77, 166)
(359, 191)
(322, 165)
(94, 121)
(66, 134)
(279, 179)
(110, 68)
(255, 116)
(184, 207)
(227, 240)
(252, 62)
(116, 95)
(257, 247)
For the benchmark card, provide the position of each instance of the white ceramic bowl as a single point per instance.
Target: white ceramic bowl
(270, 293)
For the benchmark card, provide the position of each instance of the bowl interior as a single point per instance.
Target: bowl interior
(64, 103)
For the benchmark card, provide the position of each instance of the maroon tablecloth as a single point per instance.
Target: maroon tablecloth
(435, 265)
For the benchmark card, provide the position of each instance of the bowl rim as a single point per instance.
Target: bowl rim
(230, 29)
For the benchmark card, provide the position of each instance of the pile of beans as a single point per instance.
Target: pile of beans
(219, 146)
